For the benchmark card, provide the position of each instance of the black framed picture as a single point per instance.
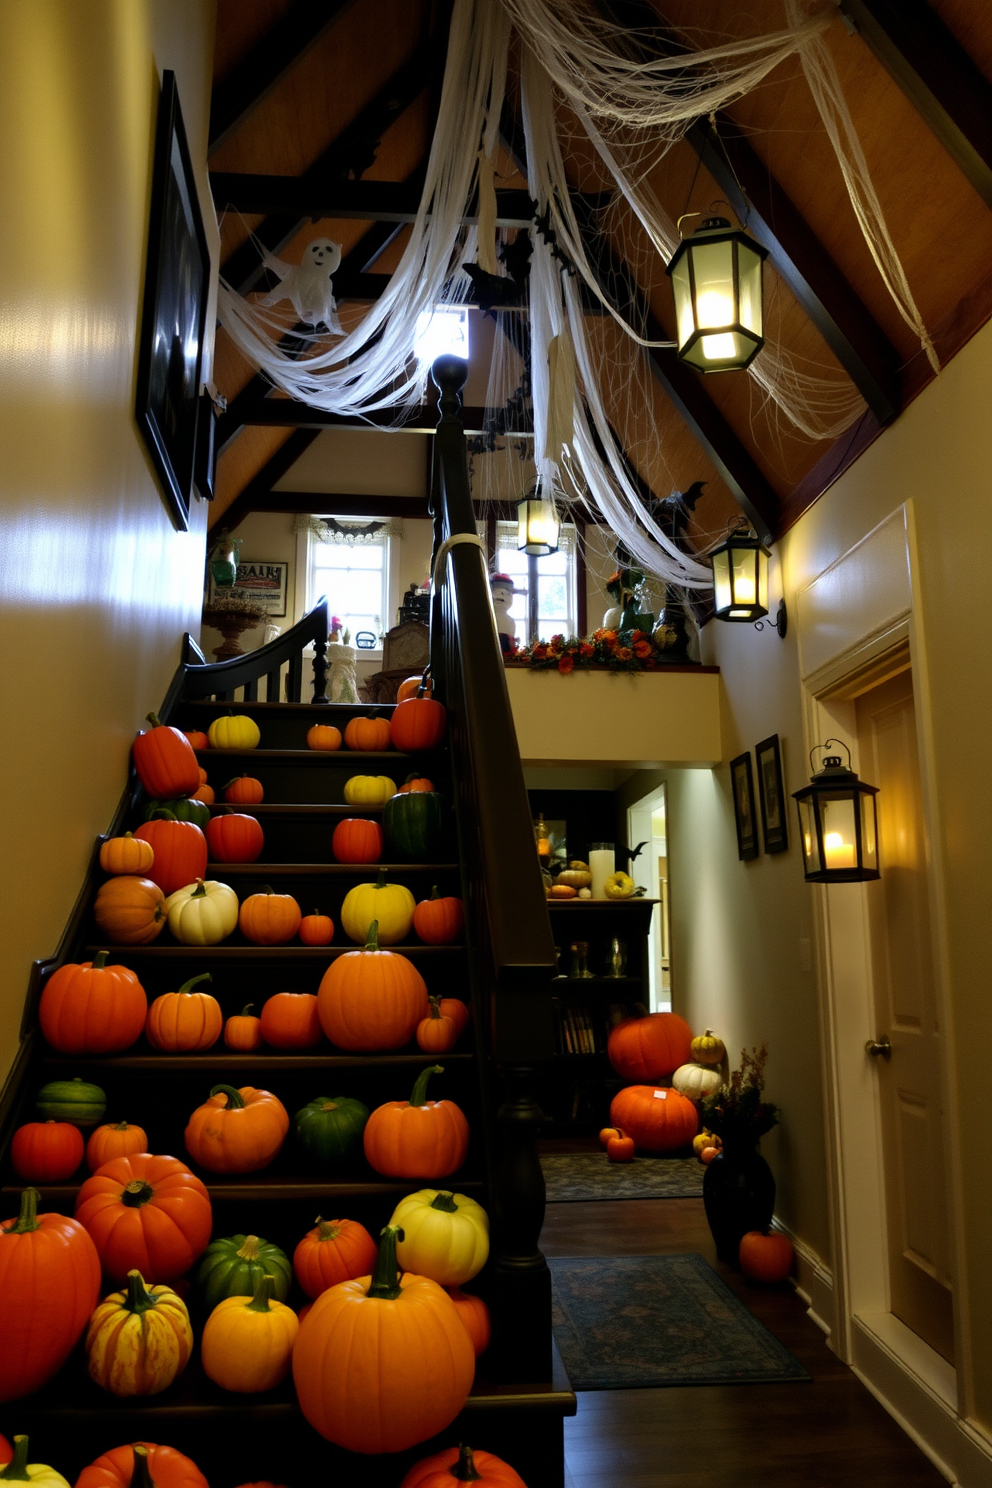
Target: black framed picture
(771, 794)
(745, 816)
(174, 311)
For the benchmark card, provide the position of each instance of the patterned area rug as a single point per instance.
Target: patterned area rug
(633, 1321)
(578, 1177)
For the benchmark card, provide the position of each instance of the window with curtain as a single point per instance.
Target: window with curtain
(348, 560)
(545, 602)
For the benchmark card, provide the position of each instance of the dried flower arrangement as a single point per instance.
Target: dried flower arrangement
(738, 1110)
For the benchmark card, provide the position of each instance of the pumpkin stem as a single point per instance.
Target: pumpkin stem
(265, 1287)
(326, 1229)
(444, 1202)
(164, 813)
(246, 1010)
(99, 961)
(386, 1276)
(141, 1476)
(234, 1101)
(121, 1126)
(434, 892)
(249, 1251)
(27, 1220)
(464, 1470)
(380, 882)
(435, 1003)
(194, 981)
(17, 1467)
(200, 891)
(234, 781)
(136, 1193)
(138, 1298)
(154, 720)
(266, 889)
(418, 1096)
(372, 940)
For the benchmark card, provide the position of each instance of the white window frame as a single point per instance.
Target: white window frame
(567, 541)
(307, 544)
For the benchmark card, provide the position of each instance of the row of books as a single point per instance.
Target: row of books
(583, 1030)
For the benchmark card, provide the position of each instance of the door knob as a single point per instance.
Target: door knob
(879, 1048)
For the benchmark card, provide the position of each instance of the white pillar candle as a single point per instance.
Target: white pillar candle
(601, 864)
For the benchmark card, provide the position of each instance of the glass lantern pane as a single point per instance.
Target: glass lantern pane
(807, 836)
(685, 325)
(840, 848)
(749, 289)
(869, 835)
(745, 576)
(763, 580)
(713, 269)
(723, 596)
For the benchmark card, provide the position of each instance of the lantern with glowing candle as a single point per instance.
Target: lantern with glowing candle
(716, 278)
(740, 577)
(837, 823)
(537, 526)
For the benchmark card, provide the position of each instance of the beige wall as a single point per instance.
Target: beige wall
(95, 583)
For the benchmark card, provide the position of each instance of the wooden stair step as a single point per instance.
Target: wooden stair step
(330, 870)
(335, 756)
(255, 1188)
(247, 951)
(272, 1061)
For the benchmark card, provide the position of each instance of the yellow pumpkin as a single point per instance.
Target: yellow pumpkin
(247, 1342)
(707, 1048)
(139, 1339)
(369, 790)
(34, 1474)
(705, 1139)
(391, 905)
(202, 913)
(234, 731)
(446, 1236)
(576, 878)
(695, 1080)
(619, 886)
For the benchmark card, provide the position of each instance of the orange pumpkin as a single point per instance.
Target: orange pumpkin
(316, 929)
(197, 739)
(145, 1213)
(243, 1032)
(244, 790)
(323, 736)
(46, 1151)
(182, 1021)
(180, 850)
(475, 1315)
(453, 1007)
(417, 785)
(370, 1001)
(335, 1250)
(659, 1120)
(620, 1148)
(115, 1139)
(247, 1342)
(562, 891)
(144, 1463)
(357, 840)
(204, 793)
(417, 1138)
(417, 724)
(382, 1365)
(130, 911)
(92, 1008)
(606, 1135)
(439, 919)
(462, 1465)
(290, 1021)
(203, 776)
(437, 1033)
(411, 686)
(236, 1131)
(766, 1256)
(646, 1050)
(127, 854)
(367, 734)
(268, 918)
(234, 837)
(164, 761)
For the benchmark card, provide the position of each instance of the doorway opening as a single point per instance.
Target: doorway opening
(647, 824)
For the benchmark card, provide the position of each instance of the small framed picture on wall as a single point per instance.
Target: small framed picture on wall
(745, 815)
(771, 794)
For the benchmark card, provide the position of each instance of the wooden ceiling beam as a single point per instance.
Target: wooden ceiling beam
(282, 46)
(366, 201)
(286, 413)
(340, 504)
(261, 484)
(937, 75)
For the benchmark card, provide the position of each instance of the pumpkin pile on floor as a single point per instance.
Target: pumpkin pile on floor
(143, 1222)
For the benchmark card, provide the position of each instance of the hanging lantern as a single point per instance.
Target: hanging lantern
(719, 315)
(537, 526)
(740, 577)
(838, 824)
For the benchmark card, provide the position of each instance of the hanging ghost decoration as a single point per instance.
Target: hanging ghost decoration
(309, 284)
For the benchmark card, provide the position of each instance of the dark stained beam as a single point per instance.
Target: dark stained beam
(340, 504)
(938, 77)
(843, 320)
(286, 413)
(282, 46)
(368, 201)
(261, 484)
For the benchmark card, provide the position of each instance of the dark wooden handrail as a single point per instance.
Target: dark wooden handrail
(197, 678)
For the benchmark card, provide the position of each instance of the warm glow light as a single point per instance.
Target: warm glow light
(837, 853)
(718, 348)
(743, 589)
(715, 309)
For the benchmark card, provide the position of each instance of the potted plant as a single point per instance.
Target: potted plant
(739, 1188)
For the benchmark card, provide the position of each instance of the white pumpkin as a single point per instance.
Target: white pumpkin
(695, 1081)
(202, 913)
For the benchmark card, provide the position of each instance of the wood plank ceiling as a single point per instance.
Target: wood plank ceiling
(336, 98)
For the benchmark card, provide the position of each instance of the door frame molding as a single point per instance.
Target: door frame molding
(917, 1386)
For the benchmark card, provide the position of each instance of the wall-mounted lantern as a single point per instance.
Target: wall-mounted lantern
(838, 823)
(740, 581)
(716, 277)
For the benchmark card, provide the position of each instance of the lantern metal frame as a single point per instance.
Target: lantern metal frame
(536, 547)
(740, 539)
(834, 780)
(711, 231)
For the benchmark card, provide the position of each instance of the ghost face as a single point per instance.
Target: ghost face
(324, 254)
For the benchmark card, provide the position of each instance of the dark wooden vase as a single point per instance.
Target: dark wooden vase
(738, 1195)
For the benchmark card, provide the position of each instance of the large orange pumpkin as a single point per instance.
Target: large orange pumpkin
(335, 1250)
(49, 1285)
(234, 837)
(164, 761)
(370, 1001)
(462, 1465)
(269, 918)
(659, 1120)
(411, 686)
(122, 1468)
(180, 850)
(649, 1049)
(382, 1365)
(145, 1213)
(130, 911)
(367, 734)
(290, 1021)
(89, 1007)
(182, 1021)
(237, 1131)
(46, 1151)
(357, 840)
(417, 724)
(417, 1138)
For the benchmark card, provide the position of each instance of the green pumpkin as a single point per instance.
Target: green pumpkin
(413, 825)
(331, 1127)
(231, 1268)
(183, 808)
(71, 1100)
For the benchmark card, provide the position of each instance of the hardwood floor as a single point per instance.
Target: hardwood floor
(827, 1433)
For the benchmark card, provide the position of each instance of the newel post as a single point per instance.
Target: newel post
(521, 1292)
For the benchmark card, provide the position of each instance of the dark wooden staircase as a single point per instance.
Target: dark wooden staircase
(502, 967)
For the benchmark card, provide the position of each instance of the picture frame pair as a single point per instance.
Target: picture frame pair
(771, 797)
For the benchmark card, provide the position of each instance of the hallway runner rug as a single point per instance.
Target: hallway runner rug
(580, 1177)
(631, 1321)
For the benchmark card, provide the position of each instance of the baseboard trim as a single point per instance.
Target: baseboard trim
(813, 1281)
(919, 1393)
